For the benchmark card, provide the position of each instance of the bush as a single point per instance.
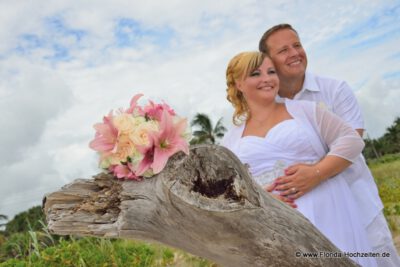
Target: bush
(17, 245)
(25, 221)
(21, 245)
(384, 159)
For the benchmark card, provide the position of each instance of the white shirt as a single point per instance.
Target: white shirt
(335, 95)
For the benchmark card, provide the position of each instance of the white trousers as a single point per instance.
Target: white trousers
(381, 242)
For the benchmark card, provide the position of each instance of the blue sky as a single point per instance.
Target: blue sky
(64, 64)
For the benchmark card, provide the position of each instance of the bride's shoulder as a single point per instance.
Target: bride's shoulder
(233, 133)
(233, 129)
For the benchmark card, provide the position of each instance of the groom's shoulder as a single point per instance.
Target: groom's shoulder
(300, 102)
(322, 78)
(326, 83)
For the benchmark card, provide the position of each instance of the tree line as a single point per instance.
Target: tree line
(388, 143)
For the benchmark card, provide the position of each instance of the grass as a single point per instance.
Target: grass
(84, 252)
(387, 177)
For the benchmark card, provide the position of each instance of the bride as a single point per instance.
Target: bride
(270, 136)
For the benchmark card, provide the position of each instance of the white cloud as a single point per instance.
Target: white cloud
(379, 102)
(32, 95)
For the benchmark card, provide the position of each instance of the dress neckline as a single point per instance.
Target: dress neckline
(268, 132)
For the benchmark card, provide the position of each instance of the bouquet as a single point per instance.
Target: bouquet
(137, 142)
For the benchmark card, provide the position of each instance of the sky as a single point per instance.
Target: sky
(65, 64)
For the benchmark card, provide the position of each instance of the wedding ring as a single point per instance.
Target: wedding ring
(293, 190)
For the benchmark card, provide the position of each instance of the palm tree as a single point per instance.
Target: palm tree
(206, 133)
(391, 139)
(392, 135)
(3, 217)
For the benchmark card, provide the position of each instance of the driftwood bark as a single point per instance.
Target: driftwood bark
(205, 203)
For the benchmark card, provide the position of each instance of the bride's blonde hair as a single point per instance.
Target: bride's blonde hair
(240, 66)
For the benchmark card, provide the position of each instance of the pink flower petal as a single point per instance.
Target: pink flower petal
(133, 104)
(106, 135)
(146, 162)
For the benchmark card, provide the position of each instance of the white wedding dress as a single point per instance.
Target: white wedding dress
(330, 206)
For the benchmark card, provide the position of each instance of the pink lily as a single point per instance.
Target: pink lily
(148, 157)
(105, 139)
(123, 171)
(133, 104)
(168, 141)
(154, 111)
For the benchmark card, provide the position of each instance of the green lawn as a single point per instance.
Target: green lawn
(387, 177)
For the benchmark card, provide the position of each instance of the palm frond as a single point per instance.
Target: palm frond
(219, 128)
(205, 132)
(203, 121)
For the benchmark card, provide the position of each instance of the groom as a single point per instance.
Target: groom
(282, 44)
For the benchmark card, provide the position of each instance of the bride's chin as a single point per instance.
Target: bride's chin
(268, 94)
(268, 99)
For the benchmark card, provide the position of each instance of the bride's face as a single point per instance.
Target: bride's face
(262, 84)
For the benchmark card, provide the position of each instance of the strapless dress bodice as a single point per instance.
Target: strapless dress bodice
(284, 144)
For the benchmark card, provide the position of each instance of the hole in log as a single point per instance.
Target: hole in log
(216, 188)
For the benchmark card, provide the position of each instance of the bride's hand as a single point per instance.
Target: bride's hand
(271, 187)
(298, 180)
(289, 201)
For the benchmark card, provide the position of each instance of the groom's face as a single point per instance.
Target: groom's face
(287, 53)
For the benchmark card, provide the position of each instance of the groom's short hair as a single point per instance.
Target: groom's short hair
(262, 46)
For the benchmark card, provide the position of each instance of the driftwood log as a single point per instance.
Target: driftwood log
(205, 203)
